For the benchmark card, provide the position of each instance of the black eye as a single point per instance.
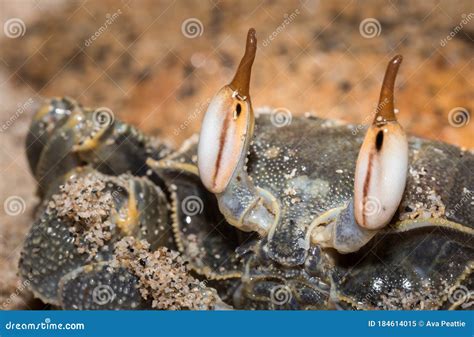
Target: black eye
(238, 109)
(379, 140)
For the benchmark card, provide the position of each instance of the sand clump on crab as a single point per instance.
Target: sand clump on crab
(88, 206)
(163, 276)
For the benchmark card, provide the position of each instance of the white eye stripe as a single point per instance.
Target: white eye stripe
(226, 150)
(223, 140)
(380, 175)
(227, 126)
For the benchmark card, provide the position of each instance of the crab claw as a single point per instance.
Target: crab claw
(382, 164)
(228, 126)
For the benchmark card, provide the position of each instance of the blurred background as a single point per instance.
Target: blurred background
(156, 64)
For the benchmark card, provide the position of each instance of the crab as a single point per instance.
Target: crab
(253, 214)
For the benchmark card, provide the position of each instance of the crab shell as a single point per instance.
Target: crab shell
(308, 165)
(64, 135)
(425, 253)
(51, 260)
(58, 269)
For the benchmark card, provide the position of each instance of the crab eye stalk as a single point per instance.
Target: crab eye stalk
(228, 126)
(382, 164)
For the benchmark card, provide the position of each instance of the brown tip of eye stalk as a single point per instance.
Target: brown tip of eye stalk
(241, 81)
(385, 108)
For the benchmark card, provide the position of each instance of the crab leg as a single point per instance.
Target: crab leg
(382, 164)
